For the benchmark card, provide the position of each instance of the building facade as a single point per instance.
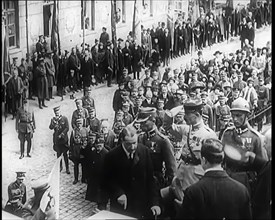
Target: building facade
(26, 20)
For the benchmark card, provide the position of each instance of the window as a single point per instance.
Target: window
(88, 8)
(120, 11)
(47, 18)
(11, 19)
(147, 9)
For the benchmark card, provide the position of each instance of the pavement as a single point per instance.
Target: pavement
(72, 197)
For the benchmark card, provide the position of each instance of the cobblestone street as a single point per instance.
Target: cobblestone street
(72, 197)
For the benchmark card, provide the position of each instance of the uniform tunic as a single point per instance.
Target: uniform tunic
(249, 140)
(161, 151)
(60, 135)
(16, 192)
(79, 113)
(88, 101)
(25, 122)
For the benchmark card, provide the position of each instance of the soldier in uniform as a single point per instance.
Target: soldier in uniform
(222, 110)
(78, 142)
(87, 99)
(242, 135)
(127, 117)
(263, 97)
(17, 195)
(92, 121)
(25, 126)
(192, 134)
(207, 109)
(159, 112)
(80, 112)
(160, 147)
(60, 125)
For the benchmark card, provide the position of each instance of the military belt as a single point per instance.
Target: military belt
(28, 122)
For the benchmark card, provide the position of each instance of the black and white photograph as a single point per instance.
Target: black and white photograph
(136, 109)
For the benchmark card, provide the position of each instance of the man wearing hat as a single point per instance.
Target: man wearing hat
(263, 98)
(17, 195)
(42, 83)
(224, 196)
(159, 146)
(221, 111)
(128, 178)
(118, 123)
(240, 84)
(104, 36)
(60, 124)
(250, 94)
(193, 133)
(127, 117)
(242, 135)
(78, 142)
(25, 126)
(42, 204)
(93, 123)
(40, 46)
(80, 112)
(87, 99)
(94, 159)
(258, 62)
(50, 72)
(109, 63)
(14, 65)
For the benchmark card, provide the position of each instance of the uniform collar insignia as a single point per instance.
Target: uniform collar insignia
(240, 130)
(151, 133)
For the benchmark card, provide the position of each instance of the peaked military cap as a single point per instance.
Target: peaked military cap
(193, 105)
(57, 108)
(20, 174)
(145, 113)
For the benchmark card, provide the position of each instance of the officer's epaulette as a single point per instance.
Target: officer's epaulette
(162, 135)
(255, 132)
(230, 128)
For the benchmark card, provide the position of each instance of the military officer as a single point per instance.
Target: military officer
(60, 125)
(87, 99)
(221, 110)
(127, 117)
(80, 112)
(25, 126)
(242, 136)
(17, 195)
(78, 142)
(193, 133)
(160, 147)
(160, 112)
(92, 121)
(263, 97)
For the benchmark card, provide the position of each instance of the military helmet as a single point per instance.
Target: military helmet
(240, 104)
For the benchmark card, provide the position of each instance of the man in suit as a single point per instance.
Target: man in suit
(128, 177)
(216, 195)
(109, 62)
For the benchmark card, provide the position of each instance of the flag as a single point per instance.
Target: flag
(193, 10)
(170, 24)
(136, 24)
(114, 36)
(5, 50)
(55, 39)
(54, 183)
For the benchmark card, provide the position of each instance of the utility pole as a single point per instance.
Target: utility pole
(27, 26)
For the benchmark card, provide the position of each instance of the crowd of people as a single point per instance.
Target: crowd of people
(168, 152)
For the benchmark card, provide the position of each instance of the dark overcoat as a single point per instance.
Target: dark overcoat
(135, 180)
(42, 82)
(216, 196)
